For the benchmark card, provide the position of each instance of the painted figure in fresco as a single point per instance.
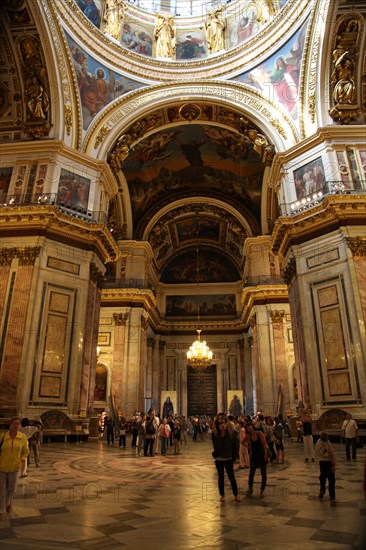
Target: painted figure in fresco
(285, 79)
(235, 406)
(215, 27)
(344, 90)
(90, 10)
(94, 92)
(164, 35)
(113, 17)
(37, 99)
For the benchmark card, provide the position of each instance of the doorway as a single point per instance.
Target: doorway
(202, 391)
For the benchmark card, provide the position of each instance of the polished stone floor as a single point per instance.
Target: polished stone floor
(90, 496)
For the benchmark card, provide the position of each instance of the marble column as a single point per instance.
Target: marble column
(280, 366)
(120, 320)
(143, 363)
(15, 322)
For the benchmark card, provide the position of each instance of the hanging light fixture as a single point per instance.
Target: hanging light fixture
(199, 355)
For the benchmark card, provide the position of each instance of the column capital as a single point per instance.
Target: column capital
(28, 255)
(357, 245)
(277, 316)
(289, 271)
(96, 275)
(7, 255)
(120, 319)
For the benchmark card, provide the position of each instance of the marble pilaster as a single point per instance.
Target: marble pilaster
(280, 366)
(118, 359)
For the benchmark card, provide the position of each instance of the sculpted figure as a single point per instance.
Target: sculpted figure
(266, 9)
(37, 98)
(215, 27)
(164, 35)
(113, 18)
(344, 90)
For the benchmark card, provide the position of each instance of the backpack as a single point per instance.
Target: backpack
(150, 430)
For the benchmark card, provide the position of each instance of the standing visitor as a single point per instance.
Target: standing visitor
(223, 455)
(257, 447)
(324, 450)
(13, 458)
(350, 433)
(308, 436)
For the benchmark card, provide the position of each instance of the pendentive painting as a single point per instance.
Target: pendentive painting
(309, 179)
(137, 38)
(97, 84)
(278, 77)
(92, 9)
(73, 190)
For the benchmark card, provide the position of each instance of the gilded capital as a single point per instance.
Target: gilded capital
(277, 316)
(289, 271)
(7, 255)
(96, 275)
(253, 321)
(144, 323)
(120, 319)
(357, 245)
(28, 255)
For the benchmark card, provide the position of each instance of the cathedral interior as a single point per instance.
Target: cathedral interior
(173, 167)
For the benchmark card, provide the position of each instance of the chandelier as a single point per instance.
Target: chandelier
(199, 355)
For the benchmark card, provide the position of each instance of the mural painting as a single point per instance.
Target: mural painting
(309, 179)
(97, 84)
(5, 177)
(217, 305)
(198, 228)
(278, 77)
(92, 9)
(241, 28)
(100, 388)
(192, 159)
(213, 267)
(137, 38)
(191, 45)
(73, 189)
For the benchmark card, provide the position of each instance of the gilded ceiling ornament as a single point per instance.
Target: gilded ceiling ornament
(357, 245)
(103, 132)
(190, 111)
(277, 316)
(68, 118)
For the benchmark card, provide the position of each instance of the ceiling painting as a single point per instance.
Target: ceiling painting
(193, 160)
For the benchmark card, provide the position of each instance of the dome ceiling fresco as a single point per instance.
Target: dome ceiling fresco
(189, 161)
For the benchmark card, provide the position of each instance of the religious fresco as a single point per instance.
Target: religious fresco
(5, 177)
(73, 189)
(278, 77)
(92, 9)
(212, 266)
(138, 38)
(191, 45)
(193, 158)
(244, 26)
(198, 228)
(97, 84)
(309, 179)
(100, 388)
(216, 305)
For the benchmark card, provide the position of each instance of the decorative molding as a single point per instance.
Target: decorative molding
(120, 319)
(289, 271)
(357, 245)
(253, 321)
(277, 316)
(96, 276)
(144, 323)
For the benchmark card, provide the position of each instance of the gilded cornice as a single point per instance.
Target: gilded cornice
(50, 221)
(142, 297)
(247, 55)
(335, 211)
(261, 294)
(357, 245)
